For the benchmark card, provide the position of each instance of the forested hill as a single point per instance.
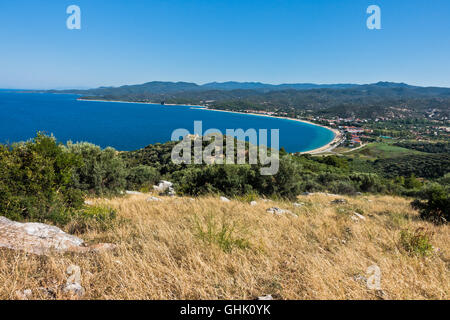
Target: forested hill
(382, 99)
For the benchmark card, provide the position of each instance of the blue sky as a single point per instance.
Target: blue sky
(273, 41)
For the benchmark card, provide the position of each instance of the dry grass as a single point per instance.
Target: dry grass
(208, 249)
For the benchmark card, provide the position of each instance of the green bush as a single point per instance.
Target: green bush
(36, 181)
(142, 177)
(102, 172)
(221, 233)
(96, 217)
(436, 207)
(417, 242)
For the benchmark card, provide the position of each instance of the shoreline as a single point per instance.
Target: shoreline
(337, 135)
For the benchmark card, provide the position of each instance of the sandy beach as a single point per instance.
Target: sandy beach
(327, 147)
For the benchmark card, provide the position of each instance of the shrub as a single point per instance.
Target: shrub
(222, 234)
(342, 187)
(368, 182)
(417, 242)
(142, 177)
(36, 181)
(436, 207)
(103, 172)
(95, 217)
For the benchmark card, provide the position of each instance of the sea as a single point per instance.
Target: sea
(131, 126)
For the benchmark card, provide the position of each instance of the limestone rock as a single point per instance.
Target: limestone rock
(135, 193)
(223, 199)
(151, 199)
(279, 212)
(267, 297)
(253, 203)
(41, 239)
(165, 188)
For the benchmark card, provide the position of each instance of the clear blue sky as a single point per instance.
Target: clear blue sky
(273, 41)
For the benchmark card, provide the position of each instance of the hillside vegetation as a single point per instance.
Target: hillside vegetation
(203, 248)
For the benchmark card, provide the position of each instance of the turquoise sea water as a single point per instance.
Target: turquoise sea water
(130, 126)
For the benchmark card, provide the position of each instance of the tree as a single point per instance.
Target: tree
(436, 206)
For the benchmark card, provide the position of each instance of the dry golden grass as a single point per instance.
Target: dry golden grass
(163, 254)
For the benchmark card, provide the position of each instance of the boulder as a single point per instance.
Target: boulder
(135, 193)
(165, 188)
(41, 239)
(297, 204)
(223, 199)
(267, 297)
(253, 203)
(151, 199)
(280, 212)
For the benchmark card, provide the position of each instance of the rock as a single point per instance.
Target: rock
(296, 204)
(40, 239)
(305, 194)
(331, 195)
(253, 203)
(151, 199)
(280, 212)
(165, 188)
(267, 297)
(133, 193)
(88, 203)
(223, 199)
(359, 194)
(339, 201)
(102, 247)
(359, 216)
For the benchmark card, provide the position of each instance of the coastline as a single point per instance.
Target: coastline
(337, 135)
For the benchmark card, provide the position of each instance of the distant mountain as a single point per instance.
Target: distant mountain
(368, 100)
(155, 87)
(160, 87)
(232, 85)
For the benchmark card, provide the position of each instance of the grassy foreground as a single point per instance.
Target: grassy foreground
(183, 248)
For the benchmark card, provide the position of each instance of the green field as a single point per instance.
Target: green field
(382, 151)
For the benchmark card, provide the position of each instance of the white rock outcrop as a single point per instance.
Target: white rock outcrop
(280, 212)
(165, 188)
(133, 193)
(152, 199)
(42, 239)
